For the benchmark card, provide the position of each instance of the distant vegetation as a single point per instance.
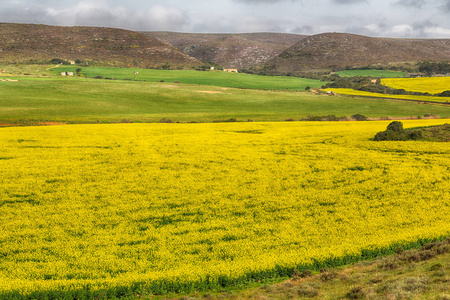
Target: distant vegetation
(396, 132)
(433, 67)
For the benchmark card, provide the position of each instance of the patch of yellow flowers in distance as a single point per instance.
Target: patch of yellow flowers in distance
(176, 204)
(432, 85)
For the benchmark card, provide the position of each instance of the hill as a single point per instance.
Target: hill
(106, 46)
(342, 50)
(230, 50)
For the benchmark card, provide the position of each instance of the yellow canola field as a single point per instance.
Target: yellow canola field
(390, 96)
(178, 206)
(432, 85)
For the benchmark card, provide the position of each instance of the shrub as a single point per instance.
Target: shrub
(444, 94)
(356, 293)
(387, 135)
(395, 126)
(359, 117)
(414, 135)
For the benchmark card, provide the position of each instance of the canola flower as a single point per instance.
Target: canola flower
(432, 85)
(178, 207)
(390, 96)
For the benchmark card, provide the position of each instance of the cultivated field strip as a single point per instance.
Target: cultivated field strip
(181, 207)
(432, 85)
(431, 99)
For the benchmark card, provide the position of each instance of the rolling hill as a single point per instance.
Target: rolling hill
(341, 50)
(23, 43)
(230, 50)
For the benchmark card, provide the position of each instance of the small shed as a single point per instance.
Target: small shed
(231, 70)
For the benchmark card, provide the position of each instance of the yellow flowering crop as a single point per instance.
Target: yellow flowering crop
(390, 96)
(179, 207)
(432, 85)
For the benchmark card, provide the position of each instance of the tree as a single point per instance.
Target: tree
(359, 117)
(395, 126)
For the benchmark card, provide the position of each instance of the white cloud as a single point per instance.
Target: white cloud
(436, 31)
(402, 30)
(160, 17)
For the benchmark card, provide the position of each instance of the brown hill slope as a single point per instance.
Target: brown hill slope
(106, 46)
(340, 50)
(230, 50)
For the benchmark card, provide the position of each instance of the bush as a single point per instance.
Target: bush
(395, 132)
(414, 135)
(395, 126)
(356, 293)
(359, 117)
(387, 135)
(444, 94)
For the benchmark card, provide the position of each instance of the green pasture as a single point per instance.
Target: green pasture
(83, 100)
(214, 78)
(371, 73)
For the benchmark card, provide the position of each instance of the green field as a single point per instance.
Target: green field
(371, 73)
(81, 100)
(216, 78)
(103, 211)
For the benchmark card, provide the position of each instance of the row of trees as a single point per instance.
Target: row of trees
(430, 68)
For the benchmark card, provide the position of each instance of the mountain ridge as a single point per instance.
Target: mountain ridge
(345, 50)
(21, 43)
(230, 50)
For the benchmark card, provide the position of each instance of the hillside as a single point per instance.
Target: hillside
(230, 50)
(107, 46)
(341, 50)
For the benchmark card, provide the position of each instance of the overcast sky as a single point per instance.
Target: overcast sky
(389, 18)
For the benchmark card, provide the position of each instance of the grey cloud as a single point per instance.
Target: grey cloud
(18, 12)
(446, 5)
(303, 30)
(264, 1)
(426, 29)
(412, 3)
(345, 2)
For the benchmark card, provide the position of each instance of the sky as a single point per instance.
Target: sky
(381, 18)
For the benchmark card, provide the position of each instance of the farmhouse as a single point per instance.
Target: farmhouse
(231, 70)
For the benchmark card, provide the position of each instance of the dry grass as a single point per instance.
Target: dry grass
(413, 274)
